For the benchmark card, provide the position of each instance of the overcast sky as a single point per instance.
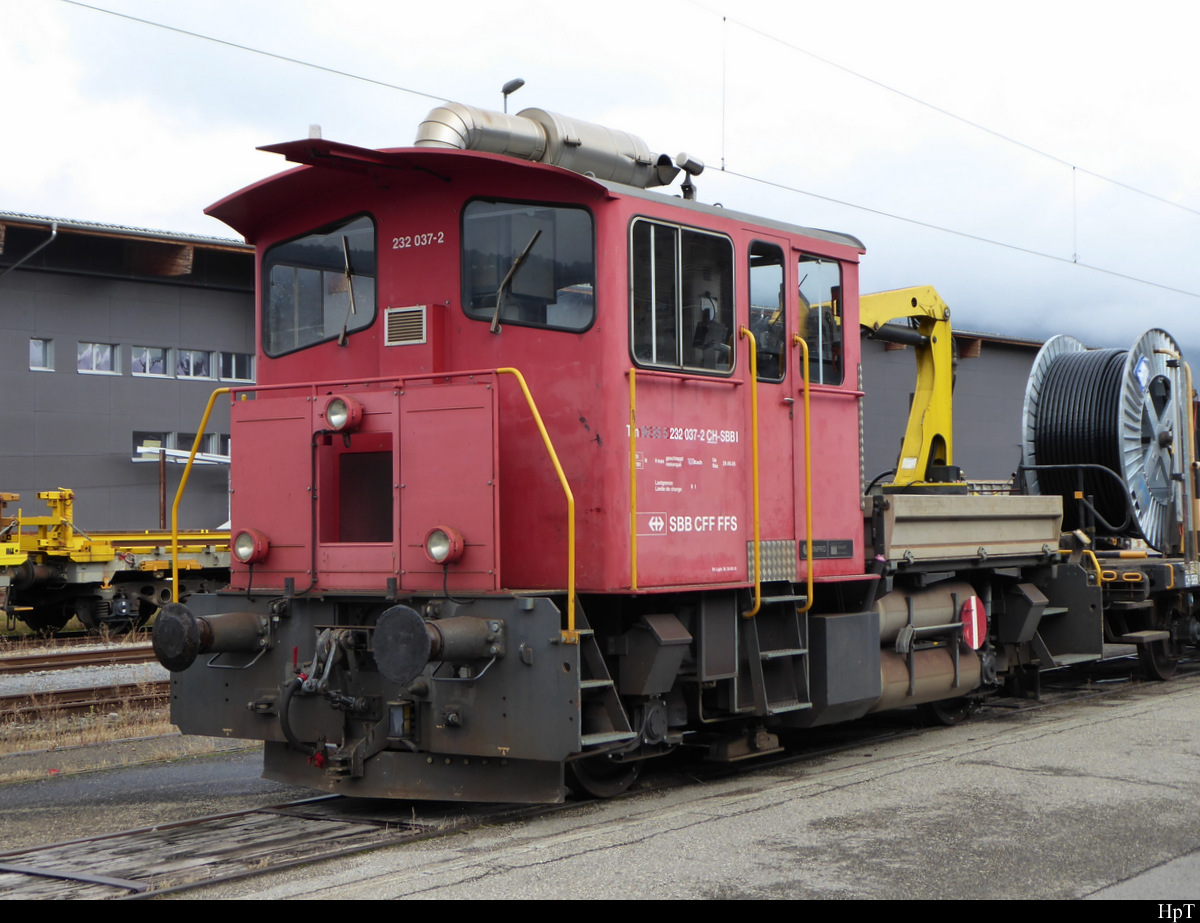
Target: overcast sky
(111, 120)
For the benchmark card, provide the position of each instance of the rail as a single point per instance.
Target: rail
(570, 635)
(633, 479)
(744, 333)
(187, 470)
(808, 505)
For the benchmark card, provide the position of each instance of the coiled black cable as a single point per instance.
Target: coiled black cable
(1078, 423)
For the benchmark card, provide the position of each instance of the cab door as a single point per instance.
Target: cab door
(833, 483)
(768, 320)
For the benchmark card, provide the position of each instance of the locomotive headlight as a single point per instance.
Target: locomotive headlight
(444, 545)
(343, 414)
(250, 546)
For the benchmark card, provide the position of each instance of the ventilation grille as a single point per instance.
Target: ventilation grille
(405, 326)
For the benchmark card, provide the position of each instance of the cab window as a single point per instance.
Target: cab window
(767, 316)
(319, 287)
(682, 298)
(821, 317)
(530, 265)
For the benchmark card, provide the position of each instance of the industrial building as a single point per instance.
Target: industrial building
(112, 340)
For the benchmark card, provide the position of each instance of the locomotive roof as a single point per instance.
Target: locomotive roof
(246, 209)
(833, 237)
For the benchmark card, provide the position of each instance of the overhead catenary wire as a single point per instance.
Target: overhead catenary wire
(979, 126)
(727, 20)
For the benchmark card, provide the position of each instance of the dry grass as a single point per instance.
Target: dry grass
(63, 744)
(52, 742)
(52, 730)
(20, 639)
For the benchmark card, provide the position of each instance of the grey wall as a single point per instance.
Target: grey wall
(63, 428)
(988, 393)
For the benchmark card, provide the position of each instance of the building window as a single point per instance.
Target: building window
(151, 360)
(147, 444)
(99, 358)
(194, 363)
(237, 367)
(183, 441)
(41, 355)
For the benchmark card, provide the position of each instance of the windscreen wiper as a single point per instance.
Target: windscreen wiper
(495, 328)
(350, 285)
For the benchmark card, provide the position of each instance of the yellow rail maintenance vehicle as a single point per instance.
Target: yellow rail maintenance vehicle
(51, 570)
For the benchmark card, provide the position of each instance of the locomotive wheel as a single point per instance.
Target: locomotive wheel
(601, 776)
(949, 712)
(1157, 660)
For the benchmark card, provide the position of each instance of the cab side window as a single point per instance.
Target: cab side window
(768, 320)
(530, 265)
(821, 317)
(319, 287)
(681, 298)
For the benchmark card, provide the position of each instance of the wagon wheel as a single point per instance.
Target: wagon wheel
(85, 611)
(1157, 660)
(145, 612)
(47, 619)
(601, 776)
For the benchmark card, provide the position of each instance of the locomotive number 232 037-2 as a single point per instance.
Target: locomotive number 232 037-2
(418, 240)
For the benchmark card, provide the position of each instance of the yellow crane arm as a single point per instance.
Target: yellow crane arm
(927, 454)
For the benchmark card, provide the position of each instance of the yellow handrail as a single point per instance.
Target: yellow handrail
(187, 469)
(808, 521)
(571, 635)
(633, 479)
(744, 333)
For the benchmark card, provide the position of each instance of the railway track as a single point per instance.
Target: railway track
(63, 659)
(39, 698)
(99, 698)
(209, 850)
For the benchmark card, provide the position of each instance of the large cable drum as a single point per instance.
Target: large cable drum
(1123, 410)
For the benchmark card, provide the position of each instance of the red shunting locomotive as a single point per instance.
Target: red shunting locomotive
(546, 474)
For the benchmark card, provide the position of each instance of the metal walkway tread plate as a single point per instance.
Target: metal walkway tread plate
(1149, 636)
(609, 737)
(1063, 660)
(785, 652)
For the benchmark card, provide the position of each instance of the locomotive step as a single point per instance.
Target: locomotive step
(607, 737)
(783, 652)
(1148, 636)
(773, 600)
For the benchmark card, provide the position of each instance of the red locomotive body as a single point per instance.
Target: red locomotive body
(527, 480)
(479, 461)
